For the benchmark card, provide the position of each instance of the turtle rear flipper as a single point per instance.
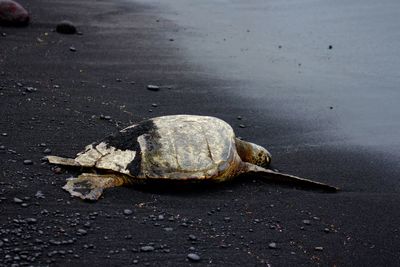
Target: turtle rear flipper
(90, 186)
(287, 178)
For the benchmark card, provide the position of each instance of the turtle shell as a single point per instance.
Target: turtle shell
(168, 147)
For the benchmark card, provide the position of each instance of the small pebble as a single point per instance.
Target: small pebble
(82, 231)
(193, 257)
(272, 245)
(192, 237)
(66, 27)
(28, 162)
(154, 105)
(31, 220)
(39, 194)
(127, 212)
(307, 222)
(47, 151)
(319, 248)
(30, 89)
(72, 49)
(57, 170)
(18, 200)
(147, 248)
(153, 87)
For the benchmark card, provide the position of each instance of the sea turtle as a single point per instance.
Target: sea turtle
(176, 147)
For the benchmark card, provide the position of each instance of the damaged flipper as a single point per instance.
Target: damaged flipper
(90, 186)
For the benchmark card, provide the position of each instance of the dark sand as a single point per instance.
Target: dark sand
(233, 223)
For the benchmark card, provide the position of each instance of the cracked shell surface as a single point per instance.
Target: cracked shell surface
(168, 147)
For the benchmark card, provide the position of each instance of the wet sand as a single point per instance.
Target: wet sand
(285, 106)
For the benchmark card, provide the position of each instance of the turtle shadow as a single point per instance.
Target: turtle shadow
(200, 187)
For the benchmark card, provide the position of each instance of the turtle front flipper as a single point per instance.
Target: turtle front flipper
(287, 178)
(90, 186)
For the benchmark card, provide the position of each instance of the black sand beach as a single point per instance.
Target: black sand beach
(324, 105)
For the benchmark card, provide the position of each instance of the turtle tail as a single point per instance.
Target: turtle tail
(90, 186)
(279, 177)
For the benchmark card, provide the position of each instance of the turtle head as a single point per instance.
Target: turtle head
(253, 153)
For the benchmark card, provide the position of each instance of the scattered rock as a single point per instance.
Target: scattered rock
(307, 222)
(106, 117)
(193, 257)
(72, 49)
(66, 27)
(319, 248)
(47, 151)
(13, 14)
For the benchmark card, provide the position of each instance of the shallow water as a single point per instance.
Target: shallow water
(332, 67)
